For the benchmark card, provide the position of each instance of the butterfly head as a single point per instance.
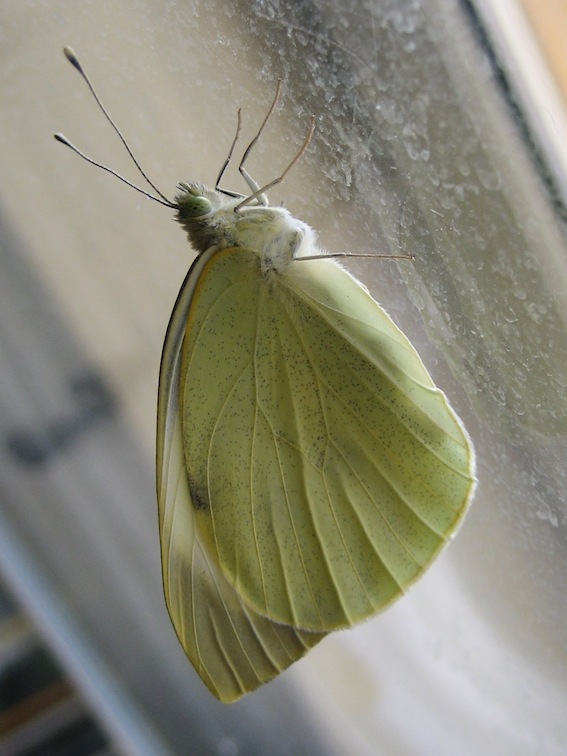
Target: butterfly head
(205, 214)
(195, 203)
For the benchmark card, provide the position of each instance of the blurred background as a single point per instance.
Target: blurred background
(441, 132)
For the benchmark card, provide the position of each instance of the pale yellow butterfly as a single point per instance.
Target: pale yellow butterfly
(308, 469)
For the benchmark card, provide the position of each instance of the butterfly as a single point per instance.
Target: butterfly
(308, 469)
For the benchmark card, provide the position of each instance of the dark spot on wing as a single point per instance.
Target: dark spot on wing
(199, 497)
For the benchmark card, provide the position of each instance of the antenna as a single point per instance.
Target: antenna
(72, 58)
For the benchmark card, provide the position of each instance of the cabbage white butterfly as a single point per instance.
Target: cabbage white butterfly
(308, 470)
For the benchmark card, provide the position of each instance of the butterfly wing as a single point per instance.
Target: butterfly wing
(232, 647)
(326, 469)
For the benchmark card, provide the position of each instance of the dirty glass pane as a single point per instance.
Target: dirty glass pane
(425, 144)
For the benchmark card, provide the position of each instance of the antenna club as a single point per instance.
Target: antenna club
(62, 138)
(72, 58)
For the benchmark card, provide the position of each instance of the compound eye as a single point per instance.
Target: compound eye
(195, 207)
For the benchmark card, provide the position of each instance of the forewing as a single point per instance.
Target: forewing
(232, 647)
(327, 469)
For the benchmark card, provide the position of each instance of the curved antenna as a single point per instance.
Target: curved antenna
(72, 58)
(63, 139)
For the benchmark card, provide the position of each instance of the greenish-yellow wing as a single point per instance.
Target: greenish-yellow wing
(232, 647)
(326, 470)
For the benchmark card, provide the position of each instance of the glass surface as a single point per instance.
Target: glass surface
(418, 148)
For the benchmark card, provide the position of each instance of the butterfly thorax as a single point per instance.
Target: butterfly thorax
(212, 218)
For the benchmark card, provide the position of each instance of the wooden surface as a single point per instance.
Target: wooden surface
(548, 19)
